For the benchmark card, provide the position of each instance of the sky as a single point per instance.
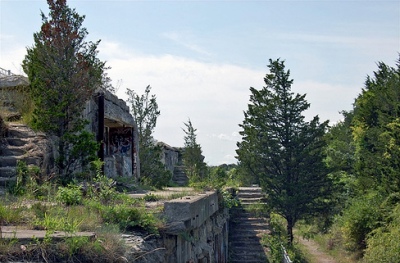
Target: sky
(202, 57)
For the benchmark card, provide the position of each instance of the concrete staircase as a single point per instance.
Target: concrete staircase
(179, 177)
(247, 225)
(20, 144)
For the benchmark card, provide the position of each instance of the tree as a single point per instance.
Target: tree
(144, 109)
(284, 151)
(376, 127)
(193, 158)
(64, 72)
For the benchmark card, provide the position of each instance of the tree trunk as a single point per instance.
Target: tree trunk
(289, 229)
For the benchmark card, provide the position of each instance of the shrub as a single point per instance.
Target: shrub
(383, 244)
(360, 218)
(70, 195)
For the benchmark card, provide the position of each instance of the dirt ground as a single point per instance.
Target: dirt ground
(317, 253)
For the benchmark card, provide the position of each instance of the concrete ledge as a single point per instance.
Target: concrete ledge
(192, 211)
(27, 235)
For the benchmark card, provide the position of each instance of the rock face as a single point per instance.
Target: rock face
(247, 225)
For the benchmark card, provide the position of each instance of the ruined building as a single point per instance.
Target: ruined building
(109, 119)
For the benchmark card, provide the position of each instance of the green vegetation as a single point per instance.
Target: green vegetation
(193, 159)
(340, 184)
(284, 152)
(64, 71)
(144, 109)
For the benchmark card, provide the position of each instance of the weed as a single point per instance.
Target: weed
(152, 197)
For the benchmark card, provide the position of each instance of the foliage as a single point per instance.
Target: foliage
(57, 222)
(144, 109)
(284, 151)
(10, 215)
(193, 159)
(228, 200)
(126, 216)
(376, 130)
(276, 239)
(152, 197)
(360, 218)
(383, 243)
(64, 72)
(69, 195)
(28, 181)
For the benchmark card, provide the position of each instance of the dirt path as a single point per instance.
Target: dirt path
(314, 250)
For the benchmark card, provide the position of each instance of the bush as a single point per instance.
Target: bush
(70, 195)
(359, 219)
(383, 244)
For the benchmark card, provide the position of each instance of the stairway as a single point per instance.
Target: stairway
(179, 177)
(20, 144)
(247, 225)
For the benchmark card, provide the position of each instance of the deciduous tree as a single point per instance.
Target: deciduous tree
(283, 150)
(144, 109)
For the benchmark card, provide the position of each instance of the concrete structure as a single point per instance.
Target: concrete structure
(109, 119)
(197, 229)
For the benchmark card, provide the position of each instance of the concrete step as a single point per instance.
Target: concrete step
(14, 151)
(19, 130)
(7, 179)
(14, 141)
(247, 228)
(11, 161)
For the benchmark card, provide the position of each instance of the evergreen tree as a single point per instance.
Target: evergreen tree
(64, 72)
(144, 109)
(284, 151)
(376, 127)
(193, 158)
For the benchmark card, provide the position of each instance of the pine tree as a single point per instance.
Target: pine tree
(284, 151)
(193, 158)
(64, 72)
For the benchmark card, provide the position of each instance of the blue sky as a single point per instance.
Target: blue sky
(201, 57)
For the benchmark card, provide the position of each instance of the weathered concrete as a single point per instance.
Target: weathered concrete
(196, 231)
(28, 235)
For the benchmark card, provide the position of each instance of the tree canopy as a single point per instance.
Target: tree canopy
(284, 151)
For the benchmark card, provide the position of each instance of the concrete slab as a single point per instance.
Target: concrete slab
(27, 235)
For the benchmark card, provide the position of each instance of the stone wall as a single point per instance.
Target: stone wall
(196, 231)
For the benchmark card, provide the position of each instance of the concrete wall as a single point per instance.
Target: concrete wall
(196, 230)
(170, 156)
(120, 142)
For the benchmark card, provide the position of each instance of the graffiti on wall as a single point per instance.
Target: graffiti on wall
(120, 141)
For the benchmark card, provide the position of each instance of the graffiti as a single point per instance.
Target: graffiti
(120, 141)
